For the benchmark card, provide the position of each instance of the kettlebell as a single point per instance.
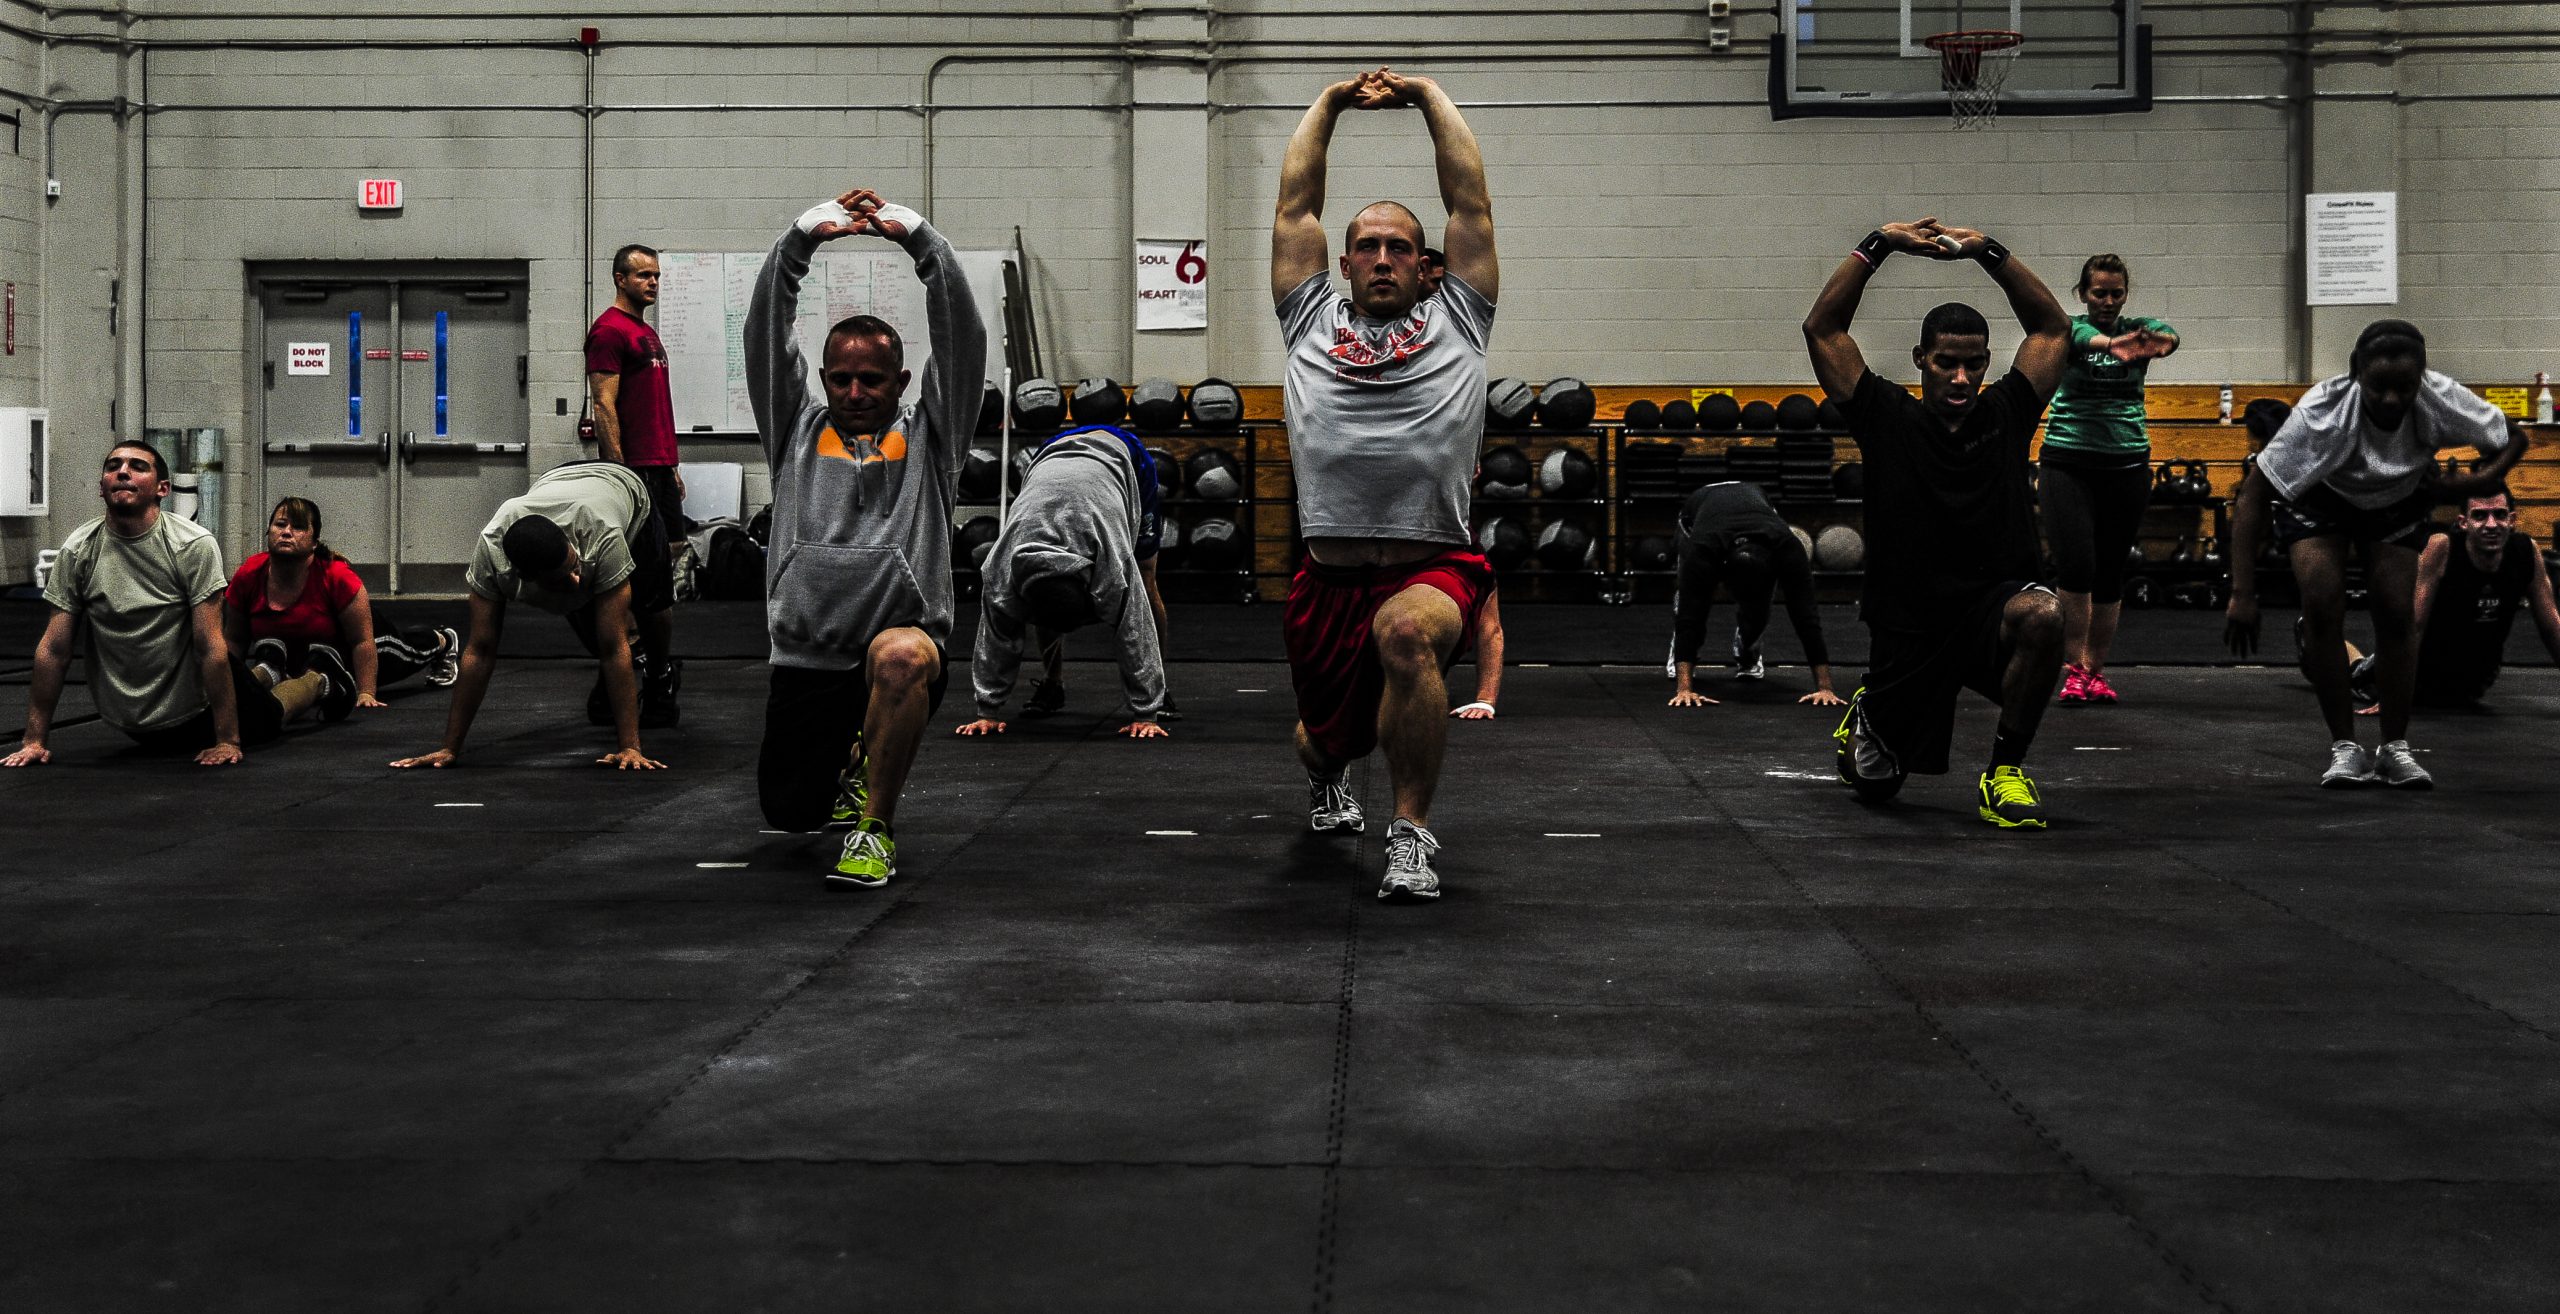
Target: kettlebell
(2199, 483)
(2165, 486)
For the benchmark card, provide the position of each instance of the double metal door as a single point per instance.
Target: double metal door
(397, 405)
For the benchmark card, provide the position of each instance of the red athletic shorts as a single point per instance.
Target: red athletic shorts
(1333, 661)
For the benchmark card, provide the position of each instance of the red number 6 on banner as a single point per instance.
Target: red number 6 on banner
(1190, 266)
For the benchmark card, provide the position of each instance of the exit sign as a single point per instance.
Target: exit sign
(378, 194)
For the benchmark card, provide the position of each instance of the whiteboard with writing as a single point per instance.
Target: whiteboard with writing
(702, 316)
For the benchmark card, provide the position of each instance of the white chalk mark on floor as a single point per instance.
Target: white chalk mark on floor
(719, 864)
(1801, 775)
(1573, 834)
(1253, 691)
(2097, 748)
(1173, 832)
(462, 805)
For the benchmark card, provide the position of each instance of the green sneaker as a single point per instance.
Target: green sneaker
(2010, 800)
(870, 856)
(853, 794)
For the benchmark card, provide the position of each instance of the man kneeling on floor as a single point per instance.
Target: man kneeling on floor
(581, 543)
(150, 586)
(1077, 549)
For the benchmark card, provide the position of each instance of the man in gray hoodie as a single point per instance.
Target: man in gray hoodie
(1071, 555)
(858, 599)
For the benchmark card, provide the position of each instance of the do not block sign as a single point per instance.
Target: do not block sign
(1173, 284)
(306, 358)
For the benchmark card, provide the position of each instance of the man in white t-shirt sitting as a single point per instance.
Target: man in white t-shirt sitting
(2356, 462)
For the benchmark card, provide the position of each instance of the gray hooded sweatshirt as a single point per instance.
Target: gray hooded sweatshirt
(861, 538)
(1077, 514)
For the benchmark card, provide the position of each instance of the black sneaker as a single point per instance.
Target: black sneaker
(337, 683)
(1047, 696)
(1168, 712)
(658, 684)
(446, 666)
(269, 655)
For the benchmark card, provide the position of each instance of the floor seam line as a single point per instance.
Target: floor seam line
(1328, 1209)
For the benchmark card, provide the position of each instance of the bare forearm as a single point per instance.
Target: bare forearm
(608, 432)
(470, 685)
(622, 689)
(1459, 161)
(1489, 667)
(1680, 676)
(368, 663)
(2248, 528)
(44, 690)
(2030, 300)
(1837, 307)
(220, 698)
(1302, 170)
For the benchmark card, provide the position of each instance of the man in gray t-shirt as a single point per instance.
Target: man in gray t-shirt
(1385, 396)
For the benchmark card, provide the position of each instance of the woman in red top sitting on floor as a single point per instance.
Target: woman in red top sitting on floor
(299, 606)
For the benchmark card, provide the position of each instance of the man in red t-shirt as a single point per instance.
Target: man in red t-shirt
(627, 377)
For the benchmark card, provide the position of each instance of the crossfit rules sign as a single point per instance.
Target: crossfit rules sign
(2354, 248)
(306, 358)
(1173, 284)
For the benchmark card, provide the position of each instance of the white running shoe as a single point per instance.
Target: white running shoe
(2396, 766)
(1331, 806)
(1747, 663)
(447, 665)
(2350, 765)
(1671, 662)
(1409, 850)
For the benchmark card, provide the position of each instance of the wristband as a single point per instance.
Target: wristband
(1992, 255)
(1873, 250)
(824, 212)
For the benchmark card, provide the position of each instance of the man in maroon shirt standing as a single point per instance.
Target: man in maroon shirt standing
(627, 376)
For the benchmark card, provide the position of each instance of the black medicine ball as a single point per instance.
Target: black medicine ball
(1504, 542)
(1214, 475)
(2264, 416)
(1679, 414)
(1720, 412)
(1567, 404)
(1038, 406)
(1507, 403)
(1506, 474)
(1567, 473)
(971, 542)
(978, 474)
(1849, 481)
(1215, 544)
(1797, 411)
(1828, 415)
(1654, 552)
(1642, 414)
(1098, 401)
(1565, 545)
(1759, 417)
(1168, 472)
(1216, 406)
(1156, 406)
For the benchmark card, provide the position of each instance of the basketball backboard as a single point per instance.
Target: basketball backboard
(1866, 58)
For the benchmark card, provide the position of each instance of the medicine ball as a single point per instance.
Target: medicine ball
(1797, 411)
(991, 411)
(1567, 404)
(1839, 548)
(1803, 539)
(1849, 481)
(1565, 545)
(1720, 412)
(1038, 406)
(978, 474)
(1505, 475)
(1507, 403)
(1759, 417)
(1828, 415)
(973, 541)
(1215, 544)
(1654, 552)
(2264, 416)
(1567, 473)
(1098, 401)
(1214, 475)
(1642, 414)
(1679, 415)
(1156, 406)
(1168, 473)
(1504, 542)
(1216, 406)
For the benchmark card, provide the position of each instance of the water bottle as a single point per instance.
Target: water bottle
(2226, 403)
(2541, 398)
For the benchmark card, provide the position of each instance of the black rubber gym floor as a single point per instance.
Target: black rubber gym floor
(1691, 1029)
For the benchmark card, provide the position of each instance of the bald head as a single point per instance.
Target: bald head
(1382, 259)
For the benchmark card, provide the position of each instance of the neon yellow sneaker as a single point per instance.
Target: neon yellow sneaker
(853, 794)
(2010, 800)
(870, 856)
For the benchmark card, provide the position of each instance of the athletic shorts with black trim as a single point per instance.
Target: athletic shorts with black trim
(811, 719)
(1333, 658)
(2321, 511)
(1907, 705)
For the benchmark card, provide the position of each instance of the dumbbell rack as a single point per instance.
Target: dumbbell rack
(1704, 457)
(2168, 577)
(1534, 582)
(1183, 443)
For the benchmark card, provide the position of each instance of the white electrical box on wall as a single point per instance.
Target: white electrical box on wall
(24, 455)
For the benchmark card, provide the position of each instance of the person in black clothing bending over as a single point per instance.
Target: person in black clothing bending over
(2471, 583)
(1950, 600)
(1729, 532)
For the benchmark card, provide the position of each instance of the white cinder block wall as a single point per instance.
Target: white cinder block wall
(1675, 238)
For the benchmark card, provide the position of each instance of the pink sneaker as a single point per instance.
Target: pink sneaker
(2098, 690)
(2075, 685)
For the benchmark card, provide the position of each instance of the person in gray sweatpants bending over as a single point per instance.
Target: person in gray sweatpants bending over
(858, 598)
(1075, 551)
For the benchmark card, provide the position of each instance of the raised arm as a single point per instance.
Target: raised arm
(955, 378)
(1468, 244)
(44, 691)
(1298, 242)
(1837, 364)
(2046, 349)
(777, 375)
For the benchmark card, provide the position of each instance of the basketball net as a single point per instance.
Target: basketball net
(1973, 66)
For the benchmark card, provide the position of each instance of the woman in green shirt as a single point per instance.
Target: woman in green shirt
(2096, 470)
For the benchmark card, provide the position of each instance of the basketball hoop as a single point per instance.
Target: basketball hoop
(1973, 66)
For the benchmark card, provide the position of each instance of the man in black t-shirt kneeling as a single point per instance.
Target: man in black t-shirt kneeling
(1951, 601)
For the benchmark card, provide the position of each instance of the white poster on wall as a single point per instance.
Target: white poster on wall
(2353, 248)
(306, 358)
(1173, 284)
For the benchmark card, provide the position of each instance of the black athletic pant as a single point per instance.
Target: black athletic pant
(811, 719)
(2092, 511)
(403, 653)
